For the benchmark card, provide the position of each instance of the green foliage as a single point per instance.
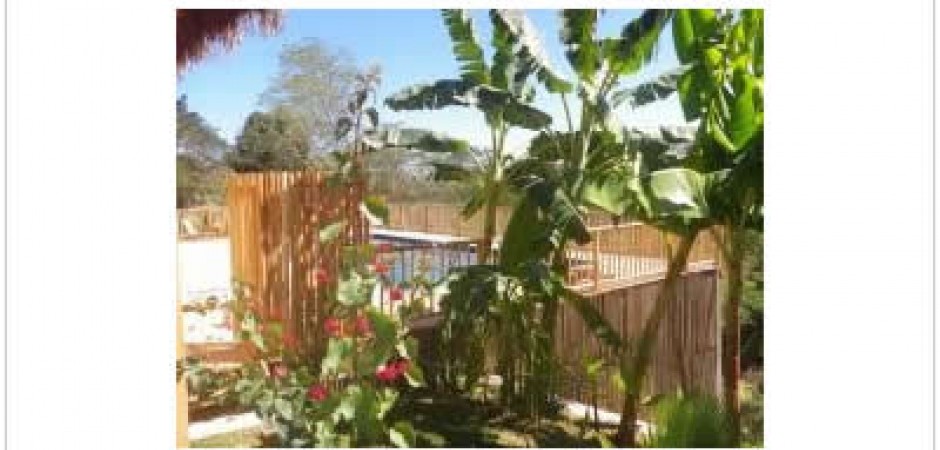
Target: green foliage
(522, 52)
(466, 49)
(194, 136)
(554, 180)
(209, 386)
(752, 409)
(199, 177)
(344, 398)
(331, 231)
(275, 140)
(490, 100)
(465, 311)
(690, 421)
(636, 45)
(578, 36)
(403, 175)
(652, 91)
(500, 90)
(316, 82)
(375, 208)
(198, 182)
(722, 87)
(752, 305)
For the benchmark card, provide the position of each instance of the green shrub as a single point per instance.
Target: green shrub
(752, 409)
(692, 421)
(343, 399)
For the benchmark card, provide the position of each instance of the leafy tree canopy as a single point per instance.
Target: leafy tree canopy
(194, 136)
(317, 83)
(276, 140)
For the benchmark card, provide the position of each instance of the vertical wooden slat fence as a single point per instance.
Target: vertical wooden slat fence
(687, 343)
(274, 224)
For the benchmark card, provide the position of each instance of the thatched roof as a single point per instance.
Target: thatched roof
(200, 31)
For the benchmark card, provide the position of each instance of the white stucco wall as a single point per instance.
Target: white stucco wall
(205, 271)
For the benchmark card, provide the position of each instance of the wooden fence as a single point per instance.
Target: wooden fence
(445, 218)
(686, 348)
(687, 345)
(274, 224)
(619, 251)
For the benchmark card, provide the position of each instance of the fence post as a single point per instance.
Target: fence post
(182, 393)
(597, 261)
(427, 218)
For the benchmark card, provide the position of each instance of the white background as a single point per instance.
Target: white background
(91, 238)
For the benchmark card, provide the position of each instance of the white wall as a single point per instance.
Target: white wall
(205, 271)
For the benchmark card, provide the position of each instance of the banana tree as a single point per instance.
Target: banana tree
(352, 126)
(721, 85)
(360, 125)
(678, 202)
(561, 165)
(500, 89)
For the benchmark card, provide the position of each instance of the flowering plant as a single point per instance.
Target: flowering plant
(343, 398)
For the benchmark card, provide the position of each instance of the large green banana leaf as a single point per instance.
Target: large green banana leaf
(444, 93)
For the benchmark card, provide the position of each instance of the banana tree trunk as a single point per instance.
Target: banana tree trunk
(489, 229)
(550, 317)
(731, 329)
(634, 366)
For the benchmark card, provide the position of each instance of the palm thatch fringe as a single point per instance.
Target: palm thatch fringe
(200, 31)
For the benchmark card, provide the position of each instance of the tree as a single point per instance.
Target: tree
(199, 149)
(721, 84)
(197, 182)
(719, 182)
(500, 90)
(275, 140)
(316, 82)
(561, 167)
(194, 136)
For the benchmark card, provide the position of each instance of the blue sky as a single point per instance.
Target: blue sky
(411, 46)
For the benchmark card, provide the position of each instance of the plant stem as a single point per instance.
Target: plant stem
(634, 366)
(731, 328)
(564, 102)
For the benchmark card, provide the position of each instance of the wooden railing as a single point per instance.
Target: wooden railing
(619, 250)
(202, 222)
(623, 252)
(445, 218)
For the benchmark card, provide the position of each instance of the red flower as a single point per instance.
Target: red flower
(317, 392)
(380, 267)
(392, 371)
(363, 326)
(402, 366)
(396, 294)
(387, 373)
(322, 276)
(384, 247)
(333, 326)
(277, 369)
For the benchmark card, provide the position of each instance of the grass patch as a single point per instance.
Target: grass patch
(460, 422)
(455, 422)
